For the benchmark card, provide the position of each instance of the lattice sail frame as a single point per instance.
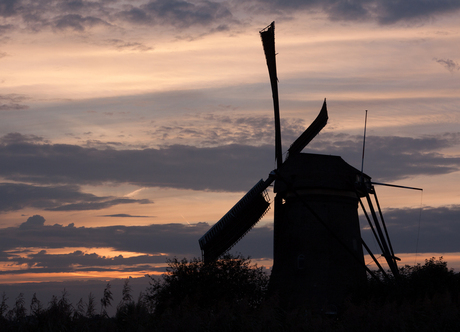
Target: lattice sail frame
(234, 225)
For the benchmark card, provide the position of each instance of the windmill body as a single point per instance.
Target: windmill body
(318, 255)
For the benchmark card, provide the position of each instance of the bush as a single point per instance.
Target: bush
(207, 294)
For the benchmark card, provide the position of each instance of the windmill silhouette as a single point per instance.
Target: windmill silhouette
(318, 250)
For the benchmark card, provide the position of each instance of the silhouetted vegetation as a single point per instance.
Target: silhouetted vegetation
(231, 295)
(221, 295)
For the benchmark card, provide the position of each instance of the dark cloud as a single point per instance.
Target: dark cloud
(346, 10)
(136, 16)
(81, 15)
(381, 11)
(428, 229)
(169, 239)
(33, 222)
(9, 7)
(449, 64)
(153, 245)
(13, 138)
(431, 229)
(16, 196)
(392, 158)
(76, 261)
(175, 166)
(78, 6)
(178, 13)
(389, 12)
(186, 14)
(209, 16)
(77, 22)
(233, 167)
(60, 15)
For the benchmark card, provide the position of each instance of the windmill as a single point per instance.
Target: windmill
(318, 250)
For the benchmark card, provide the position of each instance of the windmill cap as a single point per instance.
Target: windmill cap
(317, 171)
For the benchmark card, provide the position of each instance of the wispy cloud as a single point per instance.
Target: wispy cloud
(124, 215)
(122, 45)
(449, 64)
(12, 102)
(17, 196)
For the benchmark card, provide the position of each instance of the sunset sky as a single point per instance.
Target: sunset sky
(128, 128)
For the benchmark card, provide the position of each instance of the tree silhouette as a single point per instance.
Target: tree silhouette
(106, 300)
(19, 310)
(90, 306)
(3, 305)
(36, 307)
(231, 281)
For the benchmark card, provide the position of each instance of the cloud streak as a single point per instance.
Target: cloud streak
(449, 64)
(124, 215)
(17, 196)
(12, 102)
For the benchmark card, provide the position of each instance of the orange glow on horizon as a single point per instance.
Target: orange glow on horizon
(411, 259)
(103, 252)
(62, 277)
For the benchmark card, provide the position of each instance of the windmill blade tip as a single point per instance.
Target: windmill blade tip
(271, 25)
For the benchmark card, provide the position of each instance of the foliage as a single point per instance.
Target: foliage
(106, 300)
(423, 298)
(36, 306)
(216, 296)
(19, 310)
(231, 281)
(229, 295)
(91, 306)
(79, 310)
(132, 315)
(3, 305)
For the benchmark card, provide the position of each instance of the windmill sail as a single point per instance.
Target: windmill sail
(268, 41)
(236, 222)
(310, 132)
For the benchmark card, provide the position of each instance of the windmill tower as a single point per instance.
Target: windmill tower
(317, 239)
(318, 250)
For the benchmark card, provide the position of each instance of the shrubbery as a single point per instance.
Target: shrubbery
(230, 295)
